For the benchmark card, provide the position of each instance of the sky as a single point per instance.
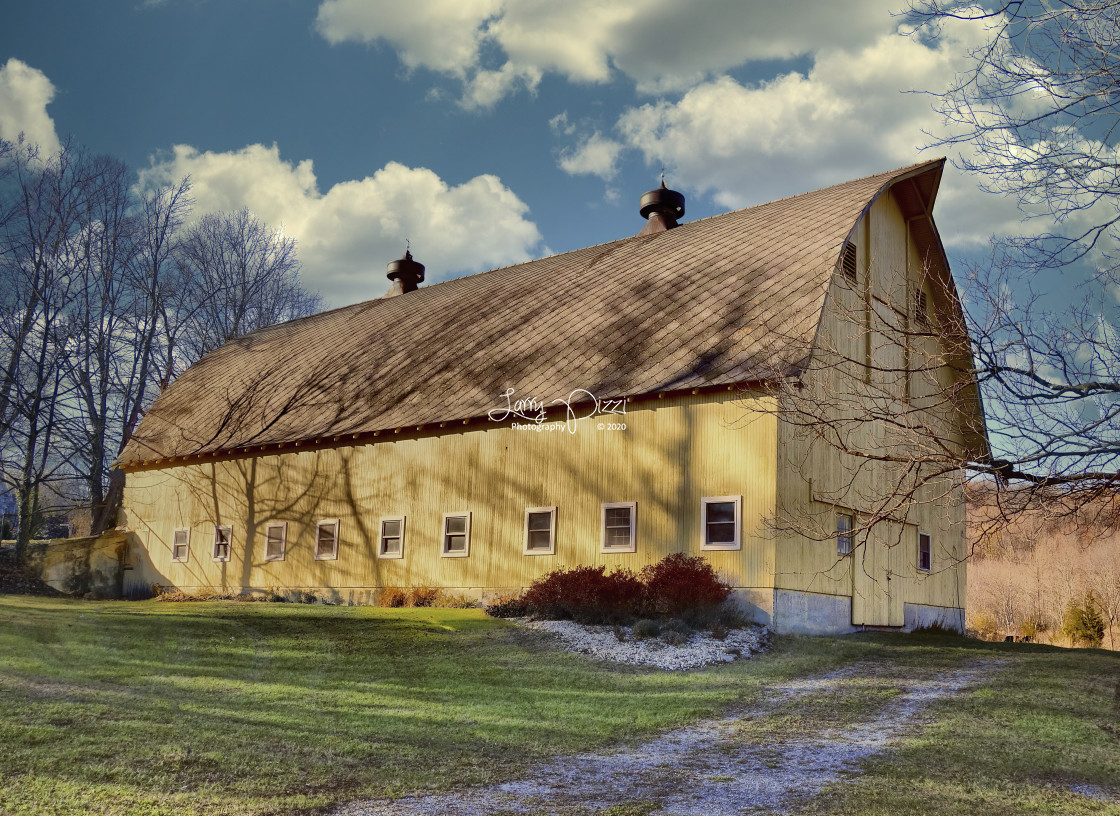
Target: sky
(486, 132)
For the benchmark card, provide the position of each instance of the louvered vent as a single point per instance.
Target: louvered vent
(921, 309)
(849, 262)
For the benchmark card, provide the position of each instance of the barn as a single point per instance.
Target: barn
(775, 389)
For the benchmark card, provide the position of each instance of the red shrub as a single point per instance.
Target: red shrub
(585, 594)
(677, 584)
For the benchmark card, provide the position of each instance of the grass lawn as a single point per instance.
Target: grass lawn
(1044, 730)
(228, 708)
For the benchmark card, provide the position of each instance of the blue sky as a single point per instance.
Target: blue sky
(485, 131)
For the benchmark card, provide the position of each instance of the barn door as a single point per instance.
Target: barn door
(876, 587)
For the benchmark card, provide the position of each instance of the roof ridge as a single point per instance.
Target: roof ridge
(624, 239)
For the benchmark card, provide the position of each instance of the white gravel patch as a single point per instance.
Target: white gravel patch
(701, 649)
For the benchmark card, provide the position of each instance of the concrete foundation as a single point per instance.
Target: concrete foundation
(809, 613)
(917, 615)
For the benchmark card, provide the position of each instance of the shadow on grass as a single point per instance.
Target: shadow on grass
(154, 708)
(208, 707)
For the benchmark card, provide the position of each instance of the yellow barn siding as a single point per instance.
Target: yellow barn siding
(672, 453)
(814, 480)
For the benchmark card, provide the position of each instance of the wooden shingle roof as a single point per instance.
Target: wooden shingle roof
(730, 299)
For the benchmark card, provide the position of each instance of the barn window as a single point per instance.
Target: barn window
(326, 540)
(849, 262)
(618, 527)
(391, 541)
(540, 531)
(222, 538)
(275, 540)
(181, 544)
(720, 523)
(456, 535)
(921, 309)
(844, 524)
(924, 552)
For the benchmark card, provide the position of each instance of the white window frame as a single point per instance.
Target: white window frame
(319, 525)
(551, 549)
(381, 537)
(283, 527)
(929, 538)
(633, 546)
(443, 551)
(851, 517)
(737, 544)
(229, 542)
(186, 546)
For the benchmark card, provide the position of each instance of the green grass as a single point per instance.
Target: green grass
(1050, 721)
(224, 708)
(231, 708)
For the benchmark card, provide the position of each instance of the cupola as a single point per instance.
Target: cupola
(661, 208)
(406, 275)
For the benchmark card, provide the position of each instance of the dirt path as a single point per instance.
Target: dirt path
(806, 734)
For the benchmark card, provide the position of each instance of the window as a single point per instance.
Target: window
(326, 540)
(921, 309)
(222, 538)
(181, 544)
(844, 523)
(391, 541)
(456, 535)
(849, 262)
(720, 523)
(275, 540)
(618, 527)
(540, 531)
(923, 552)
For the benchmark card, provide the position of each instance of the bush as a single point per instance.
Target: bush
(392, 597)
(676, 587)
(984, 626)
(585, 595)
(449, 600)
(424, 596)
(728, 615)
(1032, 627)
(675, 632)
(678, 583)
(1083, 624)
(507, 606)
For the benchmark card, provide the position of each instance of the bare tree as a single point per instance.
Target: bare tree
(104, 298)
(151, 330)
(38, 282)
(1039, 111)
(239, 275)
(1037, 117)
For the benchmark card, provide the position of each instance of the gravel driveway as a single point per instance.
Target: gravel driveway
(767, 758)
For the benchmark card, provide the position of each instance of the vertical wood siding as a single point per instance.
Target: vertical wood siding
(815, 480)
(674, 452)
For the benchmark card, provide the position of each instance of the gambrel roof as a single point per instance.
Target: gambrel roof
(731, 299)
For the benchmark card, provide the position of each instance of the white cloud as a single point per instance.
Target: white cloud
(350, 232)
(848, 116)
(595, 155)
(443, 35)
(659, 44)
(25, 93)
(560, 124)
